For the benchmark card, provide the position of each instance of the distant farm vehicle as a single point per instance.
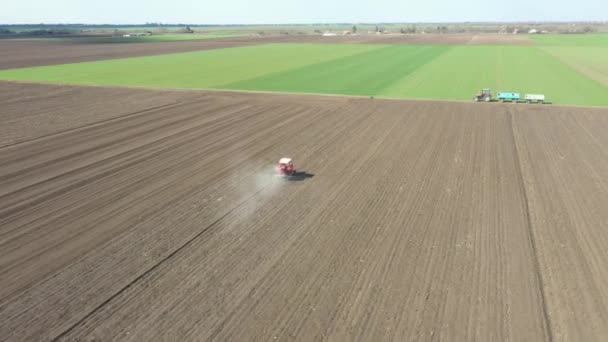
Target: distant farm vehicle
(285, 167)
(537, 98)
(486, 96)
(505, 96)
(483, 95)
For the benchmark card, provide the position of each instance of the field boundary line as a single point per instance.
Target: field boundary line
(133, 282)
(286, 93)
(536, 262)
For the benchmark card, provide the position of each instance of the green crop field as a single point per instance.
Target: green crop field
(565, 72)
(587, 54)
(465, 69)
(201, 69)
(591, 61)
(366, 73)
(599, 39)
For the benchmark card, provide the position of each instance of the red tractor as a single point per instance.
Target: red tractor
(285, 167)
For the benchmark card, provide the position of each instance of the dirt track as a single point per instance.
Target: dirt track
(139, 215)
(16, 53)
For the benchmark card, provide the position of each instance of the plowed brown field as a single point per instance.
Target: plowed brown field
(136, 215)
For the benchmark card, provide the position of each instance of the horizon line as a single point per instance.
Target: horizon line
(538, 22)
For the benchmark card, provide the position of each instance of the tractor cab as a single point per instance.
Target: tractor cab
(484, 95)
(285, 167)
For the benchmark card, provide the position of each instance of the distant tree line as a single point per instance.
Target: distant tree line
(287, 29)
(410, 29)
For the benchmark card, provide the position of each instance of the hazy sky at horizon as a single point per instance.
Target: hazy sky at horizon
(285, 11)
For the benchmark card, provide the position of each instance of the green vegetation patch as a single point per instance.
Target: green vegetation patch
(366, 73)
(566, 75)
(598, 39)
(591, 61)
(464, 70)
(200, 69)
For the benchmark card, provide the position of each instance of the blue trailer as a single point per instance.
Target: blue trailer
(505, 96)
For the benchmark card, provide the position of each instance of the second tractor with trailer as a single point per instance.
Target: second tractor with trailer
(486, 96)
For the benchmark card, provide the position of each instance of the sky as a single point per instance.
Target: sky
(300, 12)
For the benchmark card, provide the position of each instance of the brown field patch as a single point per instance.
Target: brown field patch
(140, 215)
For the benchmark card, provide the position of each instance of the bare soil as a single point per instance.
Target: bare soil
(139, 215)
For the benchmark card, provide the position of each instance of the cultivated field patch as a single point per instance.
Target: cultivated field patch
(368, 73)
(200, 69)
(18, 53)
(462, 71)
(159, 217)
(147, 39)
(591, 61)
(575, 77)
(600, 39)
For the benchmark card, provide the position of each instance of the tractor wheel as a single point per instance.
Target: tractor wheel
(476, 99)
(487, 99)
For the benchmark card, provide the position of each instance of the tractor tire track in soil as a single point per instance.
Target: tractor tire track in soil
(564, 165)
(532, 236)
(143, 275)
(423, 220)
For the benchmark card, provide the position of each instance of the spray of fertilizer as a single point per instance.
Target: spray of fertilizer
(255, 191)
